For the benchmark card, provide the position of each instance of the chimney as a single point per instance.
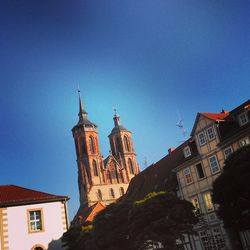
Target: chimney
(170, 150)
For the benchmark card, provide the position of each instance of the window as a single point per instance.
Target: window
(76, 146)
(83, 147)
(99, 194)
(243, 119)
(38, 247)
(111, 193)
(35, 221)
(244, 142)
(187, 176)
(200, 171)
(109, 179)
(118, 145)
(210, 133)
(195, 202)
(214, 166)
(122, 191)
(131, 167)
(208, 201)
(187, 151)
(95, 169)
(202, 138)
(126, 142)
(212, 239)
(91, 144)
(227, 152)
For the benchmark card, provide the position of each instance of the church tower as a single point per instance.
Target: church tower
(122, 148)
(89, 160)
(102, 181)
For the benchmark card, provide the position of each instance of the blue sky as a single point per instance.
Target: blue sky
(153, 60)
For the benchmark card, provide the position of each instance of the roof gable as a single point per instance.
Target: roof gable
(108, 160)
(215, 117)
(15, 195)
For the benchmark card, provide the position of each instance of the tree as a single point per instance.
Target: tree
(231, 190)
(79, 237)
(111, 227)
(158, 218)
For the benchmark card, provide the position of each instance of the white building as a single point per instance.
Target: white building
(29, 219)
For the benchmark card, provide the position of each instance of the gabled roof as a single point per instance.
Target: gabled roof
(108, 159)
(215, 116)
(88, 213)
(14, 195)
(212, 116)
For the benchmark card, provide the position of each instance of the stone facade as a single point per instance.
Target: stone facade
(99, 179)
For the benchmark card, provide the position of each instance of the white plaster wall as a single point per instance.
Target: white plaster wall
(20, 239)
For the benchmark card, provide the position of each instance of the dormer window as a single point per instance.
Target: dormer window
(202, 138)
(187, 151)
(210, 133)
(243, 142)
(243, 119)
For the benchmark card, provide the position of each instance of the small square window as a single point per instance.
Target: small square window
(187, 175)
(244, 142)
(227, 152)
(35, 221)
(202, 138)
(243, 119)
(187, 151)
(214, 164)
(210, 133)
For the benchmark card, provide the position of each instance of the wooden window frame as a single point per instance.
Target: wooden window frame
(30, 231)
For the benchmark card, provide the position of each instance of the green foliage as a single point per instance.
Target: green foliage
(149, 196)
(79, 237)
(231, 190)
(159, 217)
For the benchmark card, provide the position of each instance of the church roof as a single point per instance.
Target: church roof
(15, 195)
(118, 128)
(83, 116)
(88, 213)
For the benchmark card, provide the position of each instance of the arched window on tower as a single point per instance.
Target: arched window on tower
(77, 149)
(130, 166)
(111, 193)
(122, 191)
(113, 172)
(99, 194)
(95, 168)
(126, 143)
(91, 144)
(83, 147)
(118, 145)
(109, 177)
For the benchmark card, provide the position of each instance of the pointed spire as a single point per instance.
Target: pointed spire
(116, 118)
(82, 113)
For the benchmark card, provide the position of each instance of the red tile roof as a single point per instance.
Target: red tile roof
(85, 213)
(216, 116)
(15, 195)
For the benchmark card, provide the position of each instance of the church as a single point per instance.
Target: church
(102, 181)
